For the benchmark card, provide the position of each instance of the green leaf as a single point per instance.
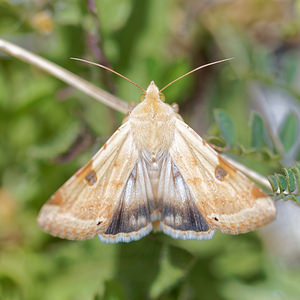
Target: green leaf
(226, 126)
(289, 131)
(273, 181)
(296, 170)
(216, 140)
(288, 183)
(240, 261)
(113, 290)
(174, 263)
(291, 180)
(180, 257)
(257, 131)
(138, 266)
(282, 182)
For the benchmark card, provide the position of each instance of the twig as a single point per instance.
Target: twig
(66, 76)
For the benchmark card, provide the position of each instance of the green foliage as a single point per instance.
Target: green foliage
(257, 131)
(287, 184)
(49, 130)
(289, 131)
(257, 149)
(226, 126)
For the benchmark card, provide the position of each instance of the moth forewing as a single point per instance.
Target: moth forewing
(227, 199)
(84, 205)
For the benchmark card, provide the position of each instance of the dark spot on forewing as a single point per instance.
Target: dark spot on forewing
(220, 173)
(91, 177)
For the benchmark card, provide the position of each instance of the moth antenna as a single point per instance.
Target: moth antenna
(108, 69)
(194, 70)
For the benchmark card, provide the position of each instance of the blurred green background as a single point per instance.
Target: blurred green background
(48, 130)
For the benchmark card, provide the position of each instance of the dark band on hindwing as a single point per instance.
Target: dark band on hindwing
(176, 209)
(184, 218)
(125, 221)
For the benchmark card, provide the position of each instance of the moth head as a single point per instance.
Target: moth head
(152, 91)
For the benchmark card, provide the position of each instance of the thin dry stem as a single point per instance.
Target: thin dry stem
(66, 76)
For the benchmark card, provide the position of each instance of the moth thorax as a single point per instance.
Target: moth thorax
(153, 125)
(153, 137)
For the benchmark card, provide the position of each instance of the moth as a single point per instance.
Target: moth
(155, 172)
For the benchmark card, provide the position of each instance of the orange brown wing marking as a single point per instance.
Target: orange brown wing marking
(56, 199)
(257, 193)
(223, 164)
(194, 162)
(83, 172)
(195, 181)
(117, 184)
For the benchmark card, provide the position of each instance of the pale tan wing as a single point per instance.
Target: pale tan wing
(228, 200)
(86, 203)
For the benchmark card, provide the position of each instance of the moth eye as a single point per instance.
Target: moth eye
(142, 97)
(162, 97)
